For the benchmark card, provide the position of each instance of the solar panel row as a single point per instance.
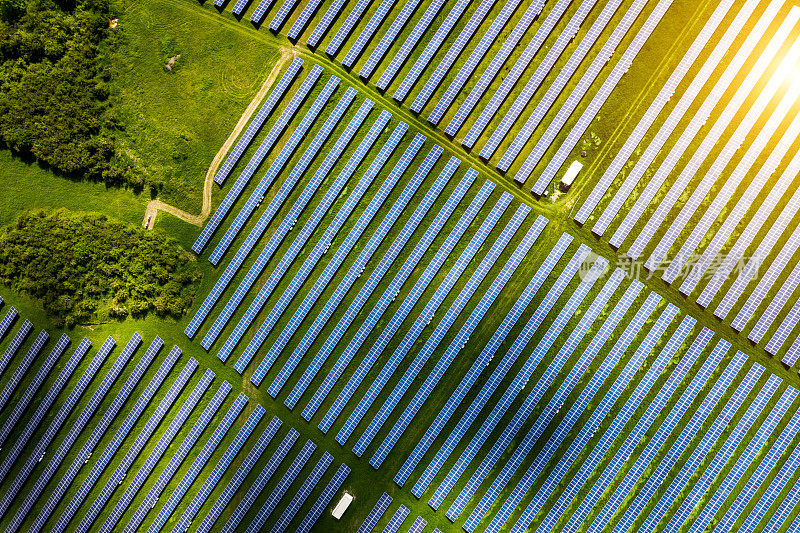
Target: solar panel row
(388, 39)
(8, 321)
(397, 519)
(325, 23)
(375, 514)
(368, 32)
(261, 11)
(26, 362)
(324, 499)
(302, 493)
(17, 341)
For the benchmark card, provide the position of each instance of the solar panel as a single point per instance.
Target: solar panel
(324, 499)
(782, 334)
(344, 31)
(261, 11)
(567, 423)
(687, 434)
(389, 38)
(502, 369)
(8, 321)
(241, 473)
(720, 457)
(302, 493)
(461, 338)
(110, 522)
(408, 45)
(286, 225)
(202, 458)
(369, 286)
(375, 514)
(255, 161)
(657, 105)
(367, 33)
(322, 27)
(280, 17)
(701, 117)
(239, 7)
(254, 201)
(272, 209)
(589, 428)
(632, 439)
(300, 241)
(418, 526)
(389, 294)
(262, 479)
(561, 81)
(455, 51)
(766, 318)
(744, 461)
(302, 20)
(136, 447)
(356, 268)
(513, 76)
(53, 427)
(723, 194)
(21, 441)
(422, 320)
(25, 364)
(508, 46)
(101, 427)
(149, 501)
(426, 57)
(210, 482)
(255, 125)
(397, 519)
(600, 97)
(12, 348)
(116, 442)
(324, 243)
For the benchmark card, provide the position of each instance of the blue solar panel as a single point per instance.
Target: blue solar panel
(12, 348)
(609, 84)
(408, 45)
(509, 45)
(266, 146)
(513, 76)
(435, 338)
(391, 292)
(389, 38)
(260, 482)
(261, 10)
(664, 95)
(21, 441)
(149, 501)
(110, 522)
(426, 57)
(257, 196)
(460, 339)
(418, 525)
(300, 24)
(300, 240)
(303, 493)
(280, 17)
(369, 286)
(324, 499)
(53, 427)
(632, 439)
(375, 514)
(455, 51)
(327, 19)
(210, 482)
(119, 437)
(344, 31)
(579, 443)
(396, 520)
(419, 325)
(239, 7)
(323, 245)
(356, 268)
(255, 125)
(241, 473)
(283, 485)
(136, 447)
(101, 427)
(572, 416)
(508, 360)
(368, 32)
(8, 321)
(689, 431)
(269, 213)
(25, 364)
(202, 458)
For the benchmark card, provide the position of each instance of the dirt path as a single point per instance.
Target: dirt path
(154, 206)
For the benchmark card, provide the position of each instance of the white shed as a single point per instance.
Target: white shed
(342, 506)
(570, 175)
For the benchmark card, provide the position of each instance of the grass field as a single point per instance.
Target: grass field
(175, 123)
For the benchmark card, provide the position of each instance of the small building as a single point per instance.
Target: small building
(570, 175)
(342, 506)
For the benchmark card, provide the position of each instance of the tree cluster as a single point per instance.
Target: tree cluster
(54, 96)
(86, 268)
